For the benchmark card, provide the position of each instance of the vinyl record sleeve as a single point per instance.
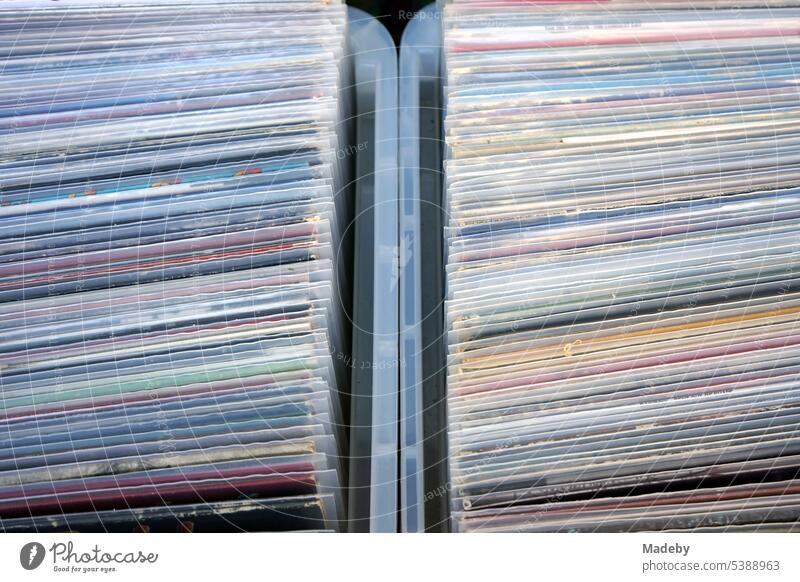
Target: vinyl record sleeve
(620, 264)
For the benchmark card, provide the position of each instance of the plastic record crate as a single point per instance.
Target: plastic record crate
(372, 498)
(424, 490)
(367, 189)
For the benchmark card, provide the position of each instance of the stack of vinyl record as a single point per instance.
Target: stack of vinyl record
(622, 303)
(169, 298)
